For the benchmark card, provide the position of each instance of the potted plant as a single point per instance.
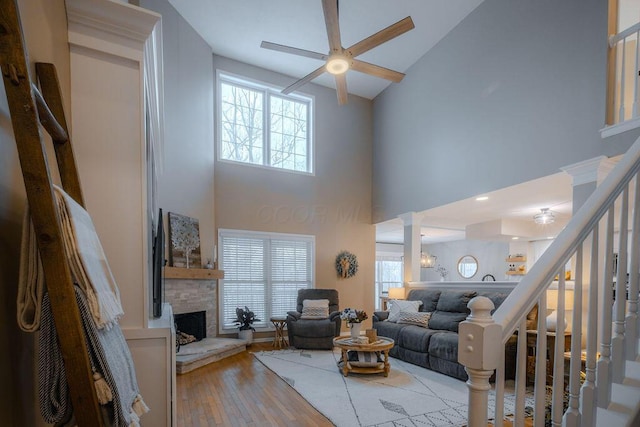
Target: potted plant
(245, 319)
(354, 320)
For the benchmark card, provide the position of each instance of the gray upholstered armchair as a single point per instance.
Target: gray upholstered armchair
(314, 333)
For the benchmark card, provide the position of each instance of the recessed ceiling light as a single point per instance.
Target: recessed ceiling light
(515, 238)
(482, 198)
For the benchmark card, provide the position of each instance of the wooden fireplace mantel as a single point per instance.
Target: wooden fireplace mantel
(192, 273)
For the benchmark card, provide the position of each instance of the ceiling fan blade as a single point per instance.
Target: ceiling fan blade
(391, 32)
(293, 50)
(330, 8)
(341, 88)
(304, 80)
(377, 71)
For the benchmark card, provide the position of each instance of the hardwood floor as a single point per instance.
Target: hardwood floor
(240, 391)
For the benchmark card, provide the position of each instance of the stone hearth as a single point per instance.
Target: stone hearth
(209, 350)
(193, 295)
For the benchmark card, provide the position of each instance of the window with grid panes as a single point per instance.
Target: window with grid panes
(259, 125)
(262, 271)
(388, 275)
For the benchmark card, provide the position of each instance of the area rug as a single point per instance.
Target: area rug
(409, 396)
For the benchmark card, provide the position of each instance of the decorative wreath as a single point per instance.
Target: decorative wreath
(346, 264)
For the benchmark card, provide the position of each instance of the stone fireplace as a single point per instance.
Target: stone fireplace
(194, 295)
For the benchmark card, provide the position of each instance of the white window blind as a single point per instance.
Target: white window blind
(263, 271)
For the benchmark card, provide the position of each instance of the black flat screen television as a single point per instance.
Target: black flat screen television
(158, 264)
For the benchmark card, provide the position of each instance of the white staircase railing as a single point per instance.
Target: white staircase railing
(603, 330)
(626, 95)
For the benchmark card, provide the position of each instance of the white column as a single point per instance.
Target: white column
(110, 46)
(412, 246)
(107, 50)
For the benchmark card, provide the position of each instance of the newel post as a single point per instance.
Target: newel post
(479, 346)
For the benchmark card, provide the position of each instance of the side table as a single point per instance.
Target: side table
(279, 322)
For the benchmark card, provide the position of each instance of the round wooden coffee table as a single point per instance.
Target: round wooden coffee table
(382, 345)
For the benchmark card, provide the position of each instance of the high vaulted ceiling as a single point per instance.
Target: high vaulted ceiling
(235, 29)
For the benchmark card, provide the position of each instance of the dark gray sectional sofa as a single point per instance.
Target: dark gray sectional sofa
(436, 347)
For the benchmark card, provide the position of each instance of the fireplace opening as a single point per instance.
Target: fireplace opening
(191, 325)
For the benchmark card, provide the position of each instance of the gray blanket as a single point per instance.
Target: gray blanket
(115, 366)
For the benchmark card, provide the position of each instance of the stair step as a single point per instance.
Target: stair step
(625, 399)
(632, 373)
(606, 417)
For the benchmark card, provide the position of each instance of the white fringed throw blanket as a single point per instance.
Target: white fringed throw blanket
(31, 279)
(86, 259)
(98, 299)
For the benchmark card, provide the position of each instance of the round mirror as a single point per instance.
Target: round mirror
(467, 266)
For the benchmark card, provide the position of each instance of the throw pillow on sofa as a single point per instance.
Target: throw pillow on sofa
(420, 318)
(315, 309)
(398, 306)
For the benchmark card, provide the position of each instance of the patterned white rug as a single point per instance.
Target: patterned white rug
(410, 396)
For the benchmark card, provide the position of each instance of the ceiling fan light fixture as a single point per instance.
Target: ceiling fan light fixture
(544, 217)
(337, 64)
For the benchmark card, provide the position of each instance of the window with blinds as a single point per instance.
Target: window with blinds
(262, 271)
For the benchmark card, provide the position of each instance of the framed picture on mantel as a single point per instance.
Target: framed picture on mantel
(184, 241)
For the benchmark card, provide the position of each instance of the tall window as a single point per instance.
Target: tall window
(262, 271)
(260, 126)
(388, 275)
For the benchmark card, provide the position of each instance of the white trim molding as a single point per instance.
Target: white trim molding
(618, 128)
(585, 171)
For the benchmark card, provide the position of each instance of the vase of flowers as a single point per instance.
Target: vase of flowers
(245, 319)
(442, 272)
(354, 319)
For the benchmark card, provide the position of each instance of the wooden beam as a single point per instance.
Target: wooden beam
(192, 273)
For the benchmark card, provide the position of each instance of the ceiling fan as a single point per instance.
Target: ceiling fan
(339, 60)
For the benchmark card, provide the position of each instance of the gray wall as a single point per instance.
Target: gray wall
(490, 256)
(513, 93)
(186, 186)
(45, 31)
(334, 205)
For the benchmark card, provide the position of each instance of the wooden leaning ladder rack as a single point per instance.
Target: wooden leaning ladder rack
(28, 109)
